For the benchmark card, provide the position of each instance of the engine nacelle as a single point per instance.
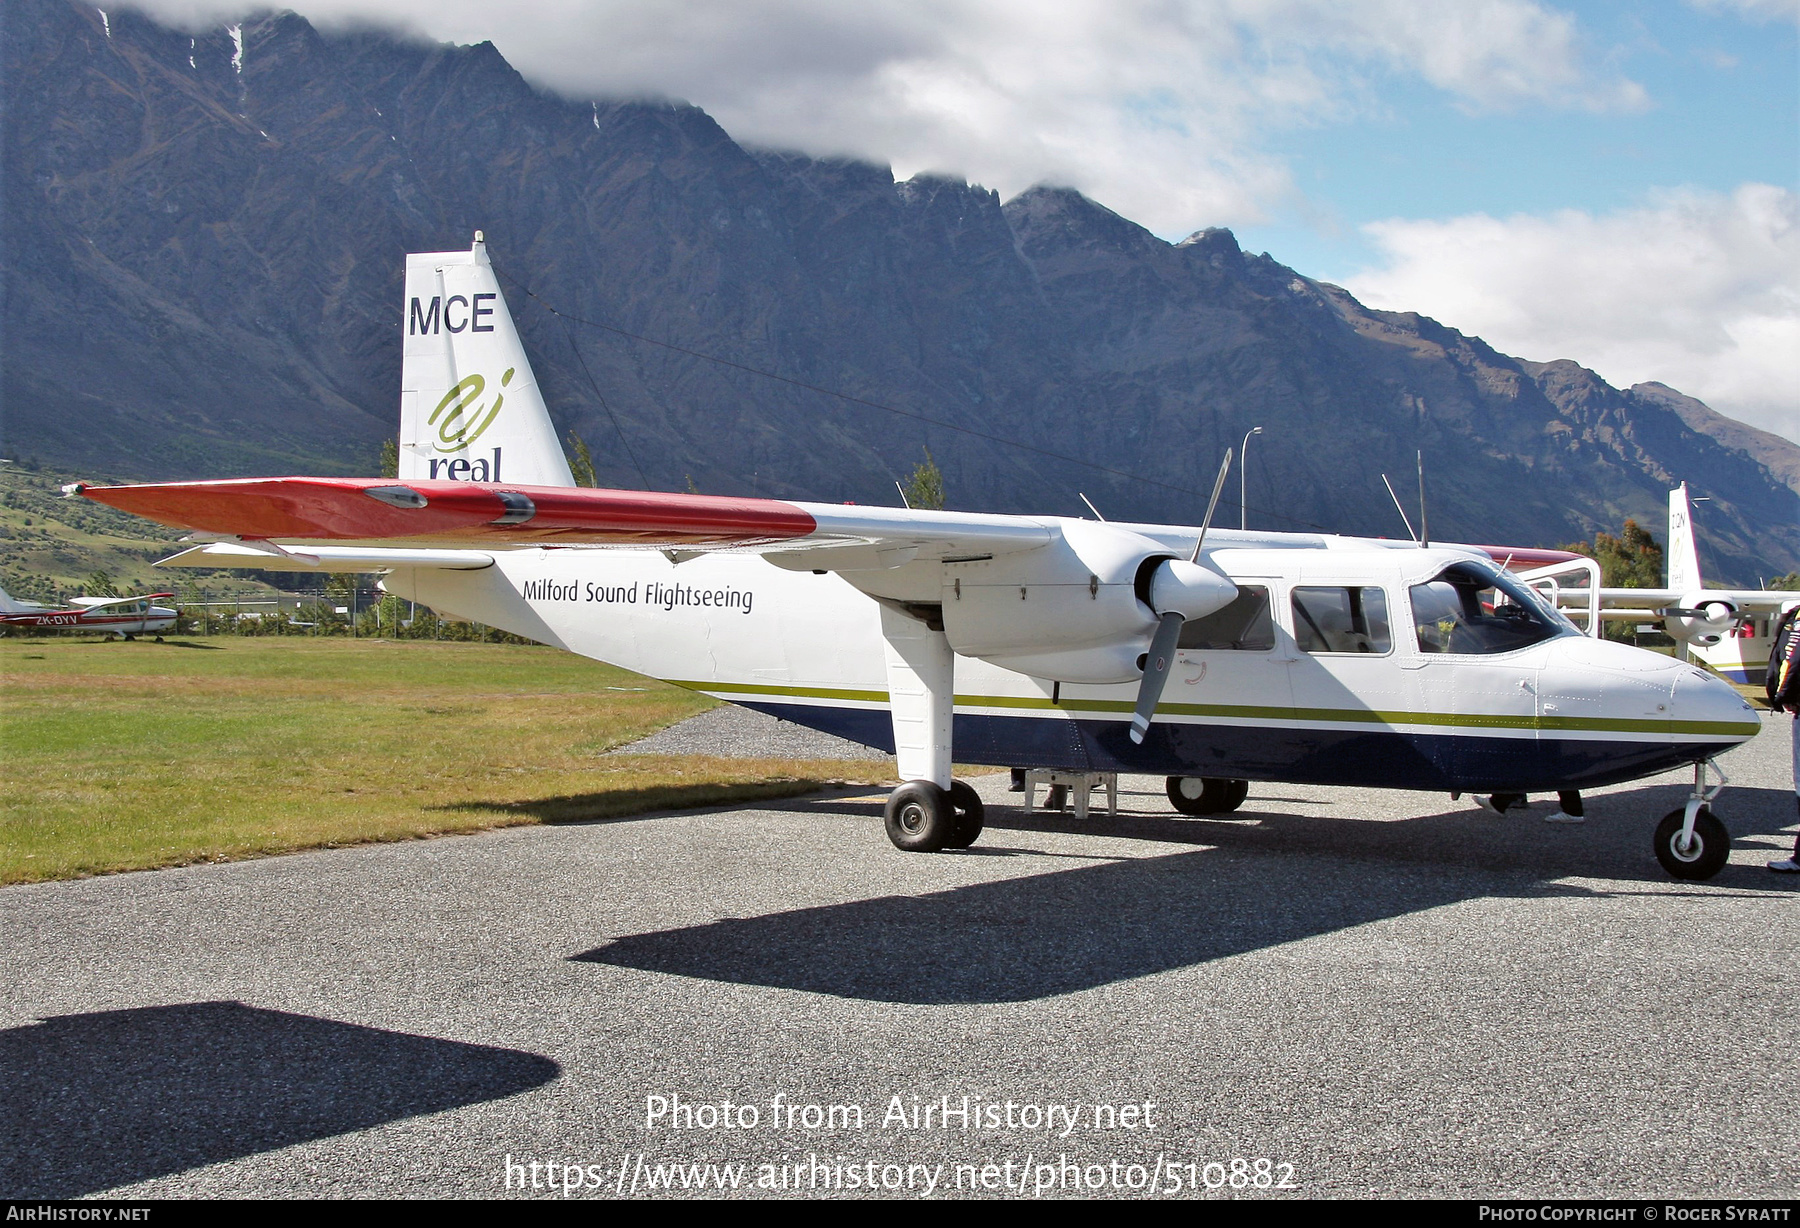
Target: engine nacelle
(1079, 609)
(1700, 619)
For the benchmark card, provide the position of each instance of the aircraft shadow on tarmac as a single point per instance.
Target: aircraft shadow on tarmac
(623, 805)
(115, 1097)
(1256, 882)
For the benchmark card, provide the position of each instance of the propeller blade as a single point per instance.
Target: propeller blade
(1212, 503)
(1156, 672)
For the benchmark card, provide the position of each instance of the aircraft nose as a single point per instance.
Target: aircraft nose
(1586, 680)
(1706, 704)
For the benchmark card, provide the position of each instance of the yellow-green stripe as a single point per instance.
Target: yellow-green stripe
(1360, 716)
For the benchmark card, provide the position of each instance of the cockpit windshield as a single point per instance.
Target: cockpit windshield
(1469, 609)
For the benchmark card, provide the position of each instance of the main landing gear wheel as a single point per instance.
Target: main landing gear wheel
(919, 817)
(922, 818)
(1202, 795)
(970, 815)
(1702, 858)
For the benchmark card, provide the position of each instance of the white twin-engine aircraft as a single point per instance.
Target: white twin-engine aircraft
(1731, 630)
(1035, 641)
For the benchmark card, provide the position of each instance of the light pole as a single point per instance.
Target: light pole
(1243, 469)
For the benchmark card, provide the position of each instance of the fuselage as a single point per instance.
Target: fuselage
(141, 617)
(1742, 654)
(1565, 712)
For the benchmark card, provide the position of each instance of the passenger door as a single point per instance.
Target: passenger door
(1228, 705)
(1350, 699)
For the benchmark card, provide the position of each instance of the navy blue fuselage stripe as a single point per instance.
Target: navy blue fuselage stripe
(1390, 759)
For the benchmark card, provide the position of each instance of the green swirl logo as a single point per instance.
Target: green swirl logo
(461, 425)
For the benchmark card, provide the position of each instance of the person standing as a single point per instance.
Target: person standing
(1782, 683)
(1569, 808)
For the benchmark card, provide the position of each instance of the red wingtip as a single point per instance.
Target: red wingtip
(444, 513)
(1529, 556)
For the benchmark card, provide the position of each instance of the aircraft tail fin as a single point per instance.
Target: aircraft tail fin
(8, 605)
(1684, 552)
(470, 408)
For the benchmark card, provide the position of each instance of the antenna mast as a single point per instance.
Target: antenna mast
(1424, 528)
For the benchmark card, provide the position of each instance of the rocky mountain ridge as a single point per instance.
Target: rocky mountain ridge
(202, 239)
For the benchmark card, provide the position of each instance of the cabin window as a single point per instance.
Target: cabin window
(1468, 609)
(1341, 620)
(1243, 625)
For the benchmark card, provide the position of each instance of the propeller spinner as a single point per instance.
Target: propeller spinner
(1179, 591)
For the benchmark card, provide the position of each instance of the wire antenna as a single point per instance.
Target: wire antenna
(1396, 498)
(601, 397)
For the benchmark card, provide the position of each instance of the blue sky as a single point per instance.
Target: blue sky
(1723, 109)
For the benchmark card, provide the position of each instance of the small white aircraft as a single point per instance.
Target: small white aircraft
(1210, 658)
(120, 616)
(1729, 629)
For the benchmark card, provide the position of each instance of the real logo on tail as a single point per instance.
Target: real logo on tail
(458, 429)
(458, 425)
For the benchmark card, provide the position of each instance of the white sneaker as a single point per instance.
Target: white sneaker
(1563, 816)
(1486, 803)
(1786, 866)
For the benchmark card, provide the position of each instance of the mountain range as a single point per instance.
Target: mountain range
(203, 239)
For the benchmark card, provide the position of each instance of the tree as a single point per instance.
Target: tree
(390, 458)
(925, 488)
(582, 467)
(1788, 583)
(100, 584)
(1631, 560)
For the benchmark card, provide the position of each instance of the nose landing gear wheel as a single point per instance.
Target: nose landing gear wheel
(1203, 795)
(1702, 858)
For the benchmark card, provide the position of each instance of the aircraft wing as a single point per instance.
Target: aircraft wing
(93, 604)
(1524, 558)
(1659, 598)
(469, 517)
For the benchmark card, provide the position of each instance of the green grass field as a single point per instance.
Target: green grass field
(122, 756)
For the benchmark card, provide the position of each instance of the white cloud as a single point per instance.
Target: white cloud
(1700, 290)
(1755, 10)
(1159, 108)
